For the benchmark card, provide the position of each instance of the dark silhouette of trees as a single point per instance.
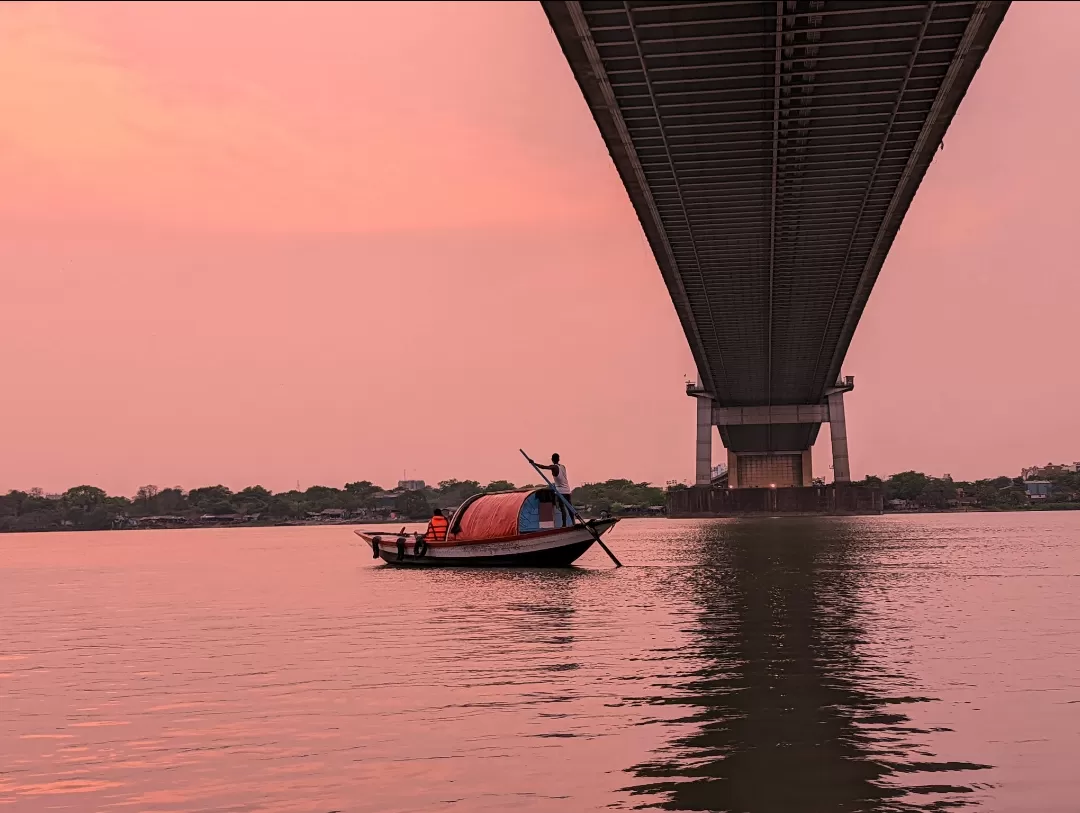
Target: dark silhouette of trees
(87, 507)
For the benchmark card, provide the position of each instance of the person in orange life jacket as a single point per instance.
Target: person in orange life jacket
(436, 529)
(562, 484)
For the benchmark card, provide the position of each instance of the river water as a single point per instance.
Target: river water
(914, 663)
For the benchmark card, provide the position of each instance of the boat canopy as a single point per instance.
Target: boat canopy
(506, 514)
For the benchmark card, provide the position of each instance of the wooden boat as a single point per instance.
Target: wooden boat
(505, 529)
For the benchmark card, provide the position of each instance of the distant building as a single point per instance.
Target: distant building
(387, 500)
(328, 514)
(1039, 489)
(158, 521)
(1049, 470)
(411, 485)
(963, 500)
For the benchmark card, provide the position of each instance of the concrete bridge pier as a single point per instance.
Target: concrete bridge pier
(703, 465)
(838, 434)
(774, 468)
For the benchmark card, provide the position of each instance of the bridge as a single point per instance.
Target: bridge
(771, 151)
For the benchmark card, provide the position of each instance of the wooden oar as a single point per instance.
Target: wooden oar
(573, 513)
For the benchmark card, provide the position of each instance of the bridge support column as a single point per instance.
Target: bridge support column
(838, 433)
(703, 467)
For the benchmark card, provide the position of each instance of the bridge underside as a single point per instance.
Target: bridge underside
(771, 151)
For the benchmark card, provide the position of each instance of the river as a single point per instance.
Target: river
(905, 663)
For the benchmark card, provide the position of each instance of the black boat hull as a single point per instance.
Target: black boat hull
(554, 557)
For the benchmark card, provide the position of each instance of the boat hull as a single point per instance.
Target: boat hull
(559, 548)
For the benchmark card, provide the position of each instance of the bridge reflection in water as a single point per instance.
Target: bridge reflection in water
(787, 711)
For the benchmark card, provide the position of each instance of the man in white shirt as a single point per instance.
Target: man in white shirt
(562, 484)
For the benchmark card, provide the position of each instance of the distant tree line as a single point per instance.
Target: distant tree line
(91, 508)
(617, 496)
(917, 490)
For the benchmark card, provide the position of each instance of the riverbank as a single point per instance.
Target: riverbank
(88, 508)
(1052, 506)
(359, 522)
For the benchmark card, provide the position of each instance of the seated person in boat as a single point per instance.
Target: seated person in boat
(436, 529)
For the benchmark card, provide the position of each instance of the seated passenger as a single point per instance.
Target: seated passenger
(436, 529)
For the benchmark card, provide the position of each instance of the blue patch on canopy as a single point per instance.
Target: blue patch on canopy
(529, 517)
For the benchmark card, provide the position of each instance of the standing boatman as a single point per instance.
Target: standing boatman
(562, 484)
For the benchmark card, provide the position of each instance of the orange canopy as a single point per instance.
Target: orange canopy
(492, 516)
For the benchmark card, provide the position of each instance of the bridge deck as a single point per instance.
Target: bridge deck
(771, 151)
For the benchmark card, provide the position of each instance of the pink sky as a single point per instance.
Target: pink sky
(238, 240)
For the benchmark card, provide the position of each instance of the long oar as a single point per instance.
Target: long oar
(574, 514)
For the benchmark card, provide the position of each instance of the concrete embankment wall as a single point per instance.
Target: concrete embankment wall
(706, 501)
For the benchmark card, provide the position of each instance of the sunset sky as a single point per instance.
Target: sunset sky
(317, 242)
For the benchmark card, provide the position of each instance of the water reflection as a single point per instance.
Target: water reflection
(787, 709)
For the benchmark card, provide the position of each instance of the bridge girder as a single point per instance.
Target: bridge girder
(771, 151)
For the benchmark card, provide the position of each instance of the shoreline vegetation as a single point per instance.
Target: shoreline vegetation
(89, 508)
